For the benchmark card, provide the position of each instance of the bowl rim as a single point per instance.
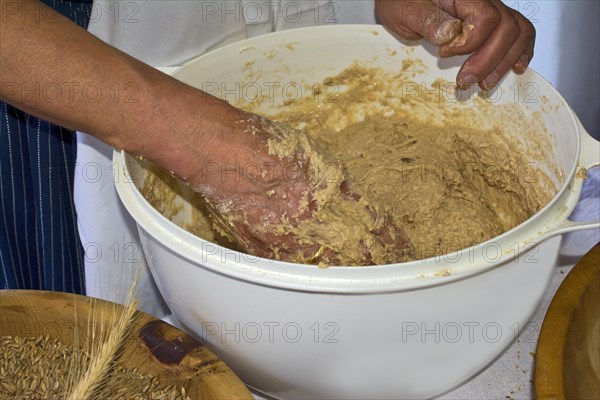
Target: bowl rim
(526, 235)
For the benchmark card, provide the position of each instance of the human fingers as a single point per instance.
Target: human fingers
(523, 62)
(479, 19)
(516, 58)
(416, 19)
(508, 45)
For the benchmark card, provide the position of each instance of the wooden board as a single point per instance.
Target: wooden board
(152, 346)
(567, 361)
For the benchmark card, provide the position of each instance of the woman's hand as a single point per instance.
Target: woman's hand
(276, 194)
(498, 37)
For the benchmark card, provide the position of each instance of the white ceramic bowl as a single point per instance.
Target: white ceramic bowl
(393, 331)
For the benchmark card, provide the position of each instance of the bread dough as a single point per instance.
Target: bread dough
(347, 225)
(450, 175)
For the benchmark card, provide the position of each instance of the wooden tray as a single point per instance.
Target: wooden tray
(567, 361)
(153, 346)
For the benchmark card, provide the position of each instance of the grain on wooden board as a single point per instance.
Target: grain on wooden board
(43, 368)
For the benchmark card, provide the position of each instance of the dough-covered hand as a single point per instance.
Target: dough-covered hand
(283, 198)
(498, 37)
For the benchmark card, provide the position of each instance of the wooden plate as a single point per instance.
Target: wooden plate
(567, 361)
(153, 346)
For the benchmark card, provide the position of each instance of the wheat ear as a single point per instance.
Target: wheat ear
(101, 362)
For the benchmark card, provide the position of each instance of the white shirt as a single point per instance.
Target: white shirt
(167, 33)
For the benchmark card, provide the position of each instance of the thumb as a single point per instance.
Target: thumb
(413, 19)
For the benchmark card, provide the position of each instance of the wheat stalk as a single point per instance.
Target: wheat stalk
(104, 354)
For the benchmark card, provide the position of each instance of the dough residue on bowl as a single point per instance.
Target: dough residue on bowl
(451, 174)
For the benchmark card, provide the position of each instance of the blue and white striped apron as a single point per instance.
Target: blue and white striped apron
(39, 241)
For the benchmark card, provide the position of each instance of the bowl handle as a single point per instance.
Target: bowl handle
(570, 226)
(589, 157)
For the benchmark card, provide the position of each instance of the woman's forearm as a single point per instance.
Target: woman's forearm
(55, 70)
